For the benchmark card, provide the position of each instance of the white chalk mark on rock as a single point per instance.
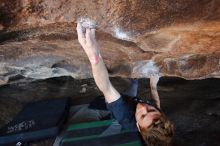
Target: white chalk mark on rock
(145, 68)
(43, 72)
(118, 33)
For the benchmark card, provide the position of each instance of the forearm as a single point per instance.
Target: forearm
(155, 95)
(154, 78)
(100, 73)
(101, 78)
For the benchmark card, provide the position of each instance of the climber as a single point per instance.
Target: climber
(155, 128)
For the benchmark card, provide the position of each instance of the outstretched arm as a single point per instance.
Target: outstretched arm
(100, 73)
(154, 78)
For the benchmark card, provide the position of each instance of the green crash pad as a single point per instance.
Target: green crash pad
(85, 134)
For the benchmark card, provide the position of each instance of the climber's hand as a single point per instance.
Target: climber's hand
(88, 42)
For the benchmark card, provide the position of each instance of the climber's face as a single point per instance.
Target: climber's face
(146, 115)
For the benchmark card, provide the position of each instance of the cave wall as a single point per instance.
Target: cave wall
(178, 38)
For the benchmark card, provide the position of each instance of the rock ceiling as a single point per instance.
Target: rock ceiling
(137, 37)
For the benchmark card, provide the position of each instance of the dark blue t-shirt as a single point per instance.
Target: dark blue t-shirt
(124, 112)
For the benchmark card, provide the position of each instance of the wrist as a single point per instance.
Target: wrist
(95, 59)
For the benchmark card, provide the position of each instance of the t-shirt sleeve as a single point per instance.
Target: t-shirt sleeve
(124, 113)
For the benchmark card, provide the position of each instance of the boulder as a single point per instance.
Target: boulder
(178, 38)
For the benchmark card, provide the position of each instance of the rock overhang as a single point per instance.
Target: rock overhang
(38, 39)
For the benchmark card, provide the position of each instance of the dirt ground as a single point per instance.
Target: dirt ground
(193, 106)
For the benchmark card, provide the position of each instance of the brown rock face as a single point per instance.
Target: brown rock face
(171, 37)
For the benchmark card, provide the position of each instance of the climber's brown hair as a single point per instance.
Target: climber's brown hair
(159, 133)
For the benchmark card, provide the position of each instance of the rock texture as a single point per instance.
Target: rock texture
(172, 37)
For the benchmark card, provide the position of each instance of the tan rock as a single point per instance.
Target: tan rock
(180, 38)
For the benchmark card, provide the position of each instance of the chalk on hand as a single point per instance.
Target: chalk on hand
(87, 23)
